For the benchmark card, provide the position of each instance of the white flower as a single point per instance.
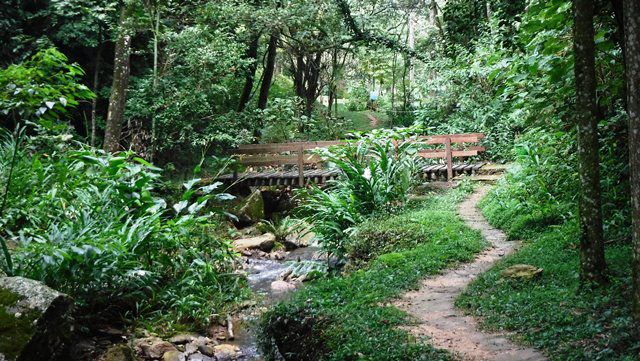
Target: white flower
(367, 174)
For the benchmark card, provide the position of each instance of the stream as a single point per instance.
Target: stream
(261, 273)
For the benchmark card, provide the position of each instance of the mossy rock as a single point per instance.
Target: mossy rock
(34, 320)
(522, 272)
(250, 210)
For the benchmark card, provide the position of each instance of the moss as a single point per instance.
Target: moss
(15, 332)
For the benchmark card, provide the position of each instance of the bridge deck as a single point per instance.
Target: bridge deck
(321, 176)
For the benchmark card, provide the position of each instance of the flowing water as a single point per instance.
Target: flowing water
(260, 274)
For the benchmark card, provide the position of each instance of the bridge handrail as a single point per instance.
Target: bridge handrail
(270, 153)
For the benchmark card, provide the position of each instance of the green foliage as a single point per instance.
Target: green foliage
(384, 234)
(41, 89)
(282, 228)
(357, 99)
(553, 312)
(92, 225)
(465, 20)
(345, 318)
(375, 176)
(192, 103)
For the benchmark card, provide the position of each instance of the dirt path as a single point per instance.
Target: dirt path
(373, 121)
(433, 304)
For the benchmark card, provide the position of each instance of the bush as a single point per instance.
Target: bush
(357, 99)
(375, 176)
(91, 225)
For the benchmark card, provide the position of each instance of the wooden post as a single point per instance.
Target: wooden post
(447, 150)
(301, 166)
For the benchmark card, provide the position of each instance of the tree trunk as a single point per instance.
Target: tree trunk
(156, 34)
(96, 83)
(267, 76)
(252, 54)
(592, 262)
(632, 44)
(117, 100)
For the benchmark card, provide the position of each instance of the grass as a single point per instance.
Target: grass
(359, 120)
(553, 313)
(347, 317)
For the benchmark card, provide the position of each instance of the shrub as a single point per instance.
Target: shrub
(90, 224)
(376, 175)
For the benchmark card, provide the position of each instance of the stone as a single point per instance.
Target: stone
(182, 338)
(225, 352)
(522, 272)
(250, 210)
(154, 347)
(200, 357)
(264, 243)
(206, 350)
(34, 320)
(281, 286)
(120, 352)
(299, 239)
(173, 356)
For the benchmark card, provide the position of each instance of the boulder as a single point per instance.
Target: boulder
(299, 239)
(281, 286)
(226, 352)
(264, 243)
(249, 210)
(34, 320)
(154, 347)
(119, 352)
(182, 338)
(522, 272)
(173, 356)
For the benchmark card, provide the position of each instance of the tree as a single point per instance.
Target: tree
(631, 14)
(592, 262)
(267, 75)
(118, 98)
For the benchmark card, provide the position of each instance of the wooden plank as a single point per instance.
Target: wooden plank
(281, 147)
(265, 160)
(443, 154)
(455, 138)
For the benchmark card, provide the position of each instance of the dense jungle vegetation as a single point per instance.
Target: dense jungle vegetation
(116, 117)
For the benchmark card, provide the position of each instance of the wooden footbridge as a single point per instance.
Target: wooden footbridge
(307, 167)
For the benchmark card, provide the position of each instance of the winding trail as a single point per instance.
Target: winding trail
(432, 306)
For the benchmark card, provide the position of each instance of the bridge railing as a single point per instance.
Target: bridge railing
(271, 154)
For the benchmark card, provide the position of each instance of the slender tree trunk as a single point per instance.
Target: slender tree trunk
(632, 44)
(268, 71)
(592, 262)
(156, 34)
(96, 83)
(117, 100)
(252, 54)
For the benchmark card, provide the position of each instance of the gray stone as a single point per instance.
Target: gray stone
(154, 347)
(182, 338)
(206, 350)
(36, 320)
(200, 357)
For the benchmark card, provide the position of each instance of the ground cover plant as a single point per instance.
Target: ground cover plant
(346, 317)
(554, 312)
